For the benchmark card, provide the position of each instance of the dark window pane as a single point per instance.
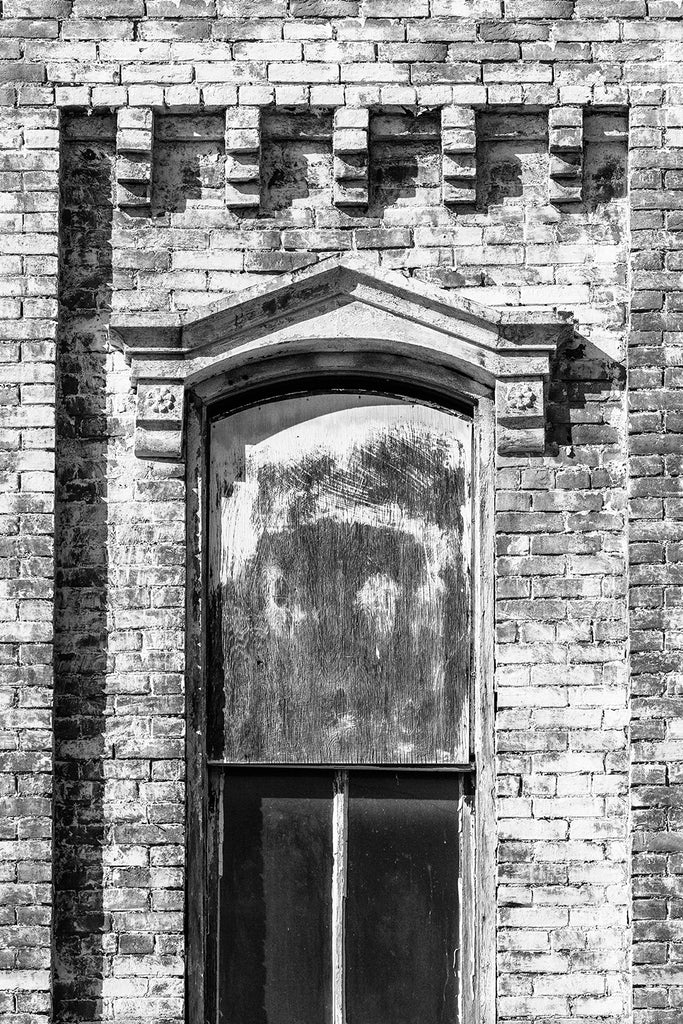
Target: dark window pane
(402, 903)
(274, 951)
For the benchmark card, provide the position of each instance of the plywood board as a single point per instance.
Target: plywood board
(339, 582)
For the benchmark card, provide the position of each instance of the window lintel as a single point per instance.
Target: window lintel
(344, 316)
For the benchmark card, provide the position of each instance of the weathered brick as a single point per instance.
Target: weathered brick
(562, 581)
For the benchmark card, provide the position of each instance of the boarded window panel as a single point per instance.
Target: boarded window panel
(402, 905)
(339, 582)
(274, 954)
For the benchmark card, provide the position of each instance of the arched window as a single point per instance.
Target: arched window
(341, 430)
(339, 639)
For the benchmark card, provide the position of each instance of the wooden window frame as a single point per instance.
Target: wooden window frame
(457, 393)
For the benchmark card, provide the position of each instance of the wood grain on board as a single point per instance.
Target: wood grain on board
(339, 583)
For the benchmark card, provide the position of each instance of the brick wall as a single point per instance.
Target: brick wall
(655, 531)
(29, 166)
(119, 766)
(148, 224)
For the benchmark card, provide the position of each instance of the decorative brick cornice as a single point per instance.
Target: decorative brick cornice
(565, 139)
(459, 148)
(134, 142)
(342, 317)
(350, 145)
(242, 156)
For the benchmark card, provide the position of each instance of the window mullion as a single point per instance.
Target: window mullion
(339, 849)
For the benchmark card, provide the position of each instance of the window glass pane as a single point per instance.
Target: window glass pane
(274, 956)
(402, 903)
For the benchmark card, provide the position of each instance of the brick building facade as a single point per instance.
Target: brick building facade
(165, 161)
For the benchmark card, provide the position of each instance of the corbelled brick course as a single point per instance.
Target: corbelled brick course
(484, 145)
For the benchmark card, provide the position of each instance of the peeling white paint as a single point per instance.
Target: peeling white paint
(337, 433)
(376, 599)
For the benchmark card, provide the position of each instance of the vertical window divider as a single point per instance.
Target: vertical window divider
(219, 877)
(339, 878)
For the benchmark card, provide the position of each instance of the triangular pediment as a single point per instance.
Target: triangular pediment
(343, 316)
(321, 297)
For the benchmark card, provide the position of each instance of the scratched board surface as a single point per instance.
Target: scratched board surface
(339, 582)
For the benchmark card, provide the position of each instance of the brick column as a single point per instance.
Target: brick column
(119, 809)
(656, 552)
(28, 323)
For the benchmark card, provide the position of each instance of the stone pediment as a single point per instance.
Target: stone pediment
(342, 317)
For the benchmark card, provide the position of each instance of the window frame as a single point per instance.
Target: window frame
(342, 803)
(479, 824)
